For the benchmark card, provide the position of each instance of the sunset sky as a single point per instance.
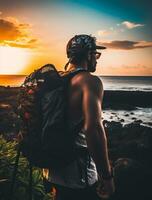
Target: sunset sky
(35, 32)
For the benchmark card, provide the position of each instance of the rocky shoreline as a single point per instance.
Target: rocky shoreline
(130, 145)
(130, 149)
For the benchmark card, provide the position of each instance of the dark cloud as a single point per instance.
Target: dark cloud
(24, 25)
(9, 30)
(15, 34)
(126, 44)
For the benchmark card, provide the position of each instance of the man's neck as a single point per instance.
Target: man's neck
(73, 66)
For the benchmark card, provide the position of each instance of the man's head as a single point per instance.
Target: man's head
(83, 48)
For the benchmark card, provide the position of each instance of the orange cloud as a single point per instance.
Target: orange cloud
(29, 44)
(9, 31)
(126, 44)
(16, 34)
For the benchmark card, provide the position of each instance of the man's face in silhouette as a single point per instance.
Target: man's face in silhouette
(92, 60)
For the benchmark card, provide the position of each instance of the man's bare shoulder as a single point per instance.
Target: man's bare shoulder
(89, 80)
(88, 83)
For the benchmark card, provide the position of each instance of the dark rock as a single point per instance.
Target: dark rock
(132, 141)
(105, 122)
(113, 113)
(112, 125)
(127, 100)
(149, 123)
(138, 121)
(132, 179)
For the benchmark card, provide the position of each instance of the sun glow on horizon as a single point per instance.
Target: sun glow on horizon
(13, 60)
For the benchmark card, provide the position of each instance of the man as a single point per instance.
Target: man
(85, 93)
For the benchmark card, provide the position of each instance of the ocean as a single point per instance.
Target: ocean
(129, 83)
(11, 80)
(126, 83)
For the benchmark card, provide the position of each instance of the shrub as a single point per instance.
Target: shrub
(7, 159)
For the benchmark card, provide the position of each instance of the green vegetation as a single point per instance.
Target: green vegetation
(7, 159)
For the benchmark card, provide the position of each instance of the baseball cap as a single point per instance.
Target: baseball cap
(81, 44)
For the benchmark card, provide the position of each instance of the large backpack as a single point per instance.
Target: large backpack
(44, 135)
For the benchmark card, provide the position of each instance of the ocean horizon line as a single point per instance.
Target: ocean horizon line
(96, 75)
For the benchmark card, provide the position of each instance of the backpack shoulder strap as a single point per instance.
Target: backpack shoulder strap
(67, 75)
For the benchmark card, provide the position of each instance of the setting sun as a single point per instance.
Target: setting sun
(12, 60)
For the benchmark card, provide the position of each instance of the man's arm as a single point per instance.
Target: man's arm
(93, 127)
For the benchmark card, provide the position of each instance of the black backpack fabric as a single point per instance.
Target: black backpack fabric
(44, 137)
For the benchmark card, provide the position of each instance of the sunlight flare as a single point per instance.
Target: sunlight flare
(13, 60)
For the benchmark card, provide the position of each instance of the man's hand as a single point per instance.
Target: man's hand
(106, 188)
